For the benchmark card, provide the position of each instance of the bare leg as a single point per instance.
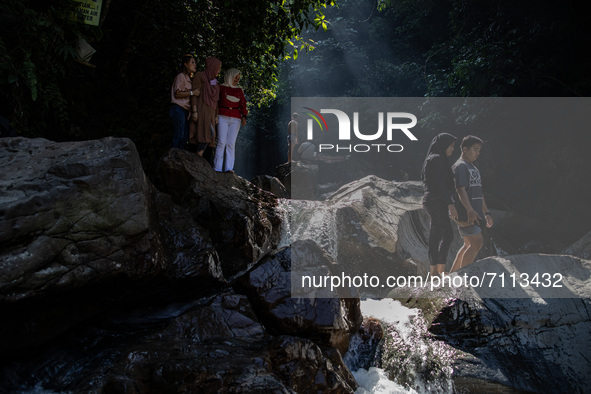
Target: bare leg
(440, 269)
(292, 147)
(468, 252)
(459, 257)
(476, 243)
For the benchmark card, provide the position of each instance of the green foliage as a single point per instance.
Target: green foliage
(37, 48)
(359, 55)
(29, 75)
(445, 48)
(495, 47)
(54, 101)
(369, 48)
(138, 48)
(253, 37)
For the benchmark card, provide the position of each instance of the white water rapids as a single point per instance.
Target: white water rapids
(414, 352)
(410, 360)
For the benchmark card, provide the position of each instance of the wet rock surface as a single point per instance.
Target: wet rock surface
(367, 345)
(581, 248)
(241, 218)
(372, 227)
(72, 214)
(271, 184)
(533, 339)
(328, 321)
(111, 285)
(209, 345)
(76, 233)
(192, 259)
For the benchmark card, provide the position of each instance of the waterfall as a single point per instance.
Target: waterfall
(406, 360)
(304, 219)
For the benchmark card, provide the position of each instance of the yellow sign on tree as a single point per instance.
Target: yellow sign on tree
(88, 11)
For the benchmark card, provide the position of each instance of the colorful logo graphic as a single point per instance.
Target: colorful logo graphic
(389, 124)
(315, 115)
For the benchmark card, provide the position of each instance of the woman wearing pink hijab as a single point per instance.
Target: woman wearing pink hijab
(204, 107)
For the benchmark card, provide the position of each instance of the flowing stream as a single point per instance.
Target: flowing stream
(308, 220)
(407, 359)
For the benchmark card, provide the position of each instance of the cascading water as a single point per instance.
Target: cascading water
(303, 219)
(405, 358)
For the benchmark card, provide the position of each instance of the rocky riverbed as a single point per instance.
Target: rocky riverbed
(111, 282)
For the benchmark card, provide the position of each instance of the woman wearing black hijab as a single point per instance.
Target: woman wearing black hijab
(438, 199)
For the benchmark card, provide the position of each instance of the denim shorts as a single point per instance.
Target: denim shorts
(469, 230)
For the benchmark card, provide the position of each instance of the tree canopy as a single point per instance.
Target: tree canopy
(138, 46)
(363, 48)
(447, 48)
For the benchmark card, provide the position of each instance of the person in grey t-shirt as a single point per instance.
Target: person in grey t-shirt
(471, 207)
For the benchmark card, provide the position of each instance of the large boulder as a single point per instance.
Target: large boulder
(372, 227)
(533, 334)
(241, 219)
(76, 233)
(326, 320)
(581, 248)
(146, 282)
(84, 230)
(72, 214)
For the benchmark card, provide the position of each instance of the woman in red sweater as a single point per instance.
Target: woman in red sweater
(232, 114)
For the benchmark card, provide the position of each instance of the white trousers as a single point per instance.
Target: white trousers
(225, 151)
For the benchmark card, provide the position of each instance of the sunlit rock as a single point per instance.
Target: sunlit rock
(526, 325)
(581, 248)
(371, 227)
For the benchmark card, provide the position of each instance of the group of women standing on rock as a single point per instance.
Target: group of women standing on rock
(206, 114)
